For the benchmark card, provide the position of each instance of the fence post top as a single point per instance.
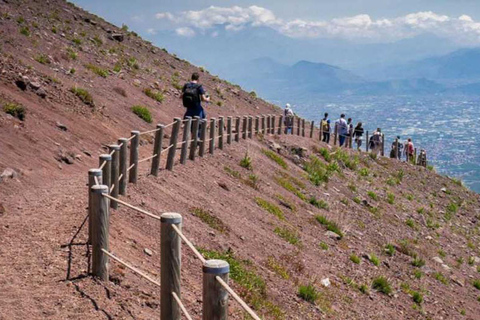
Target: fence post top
(135, 132)
(216, 267)
(114, 146)
(171, 218)
(177, 119)
(229, 117)
(122, 139)
(95, 172)
(160, 126)
(100, 188)
(106, 156)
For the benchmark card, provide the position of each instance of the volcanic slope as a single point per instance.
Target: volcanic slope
(396, 228)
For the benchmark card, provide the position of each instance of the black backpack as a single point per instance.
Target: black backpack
(191, 96)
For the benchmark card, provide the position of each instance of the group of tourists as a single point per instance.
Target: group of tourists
(193, 94)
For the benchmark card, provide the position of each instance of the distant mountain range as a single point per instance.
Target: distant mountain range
(455, 73)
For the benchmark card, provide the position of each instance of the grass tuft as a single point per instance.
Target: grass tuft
(15, 110)
(330, 225)
(209, 219)
(154, 94)
(246, 162)
(354, 258)
(321, 204)
(288, 235)
(270, 207)
(381, 285)
(275, 157)
(143, 113)
(308, 293)
(97, 70)
(84, 95)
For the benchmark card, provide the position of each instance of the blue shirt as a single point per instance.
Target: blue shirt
(197, 110)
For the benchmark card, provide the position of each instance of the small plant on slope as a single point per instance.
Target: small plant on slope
(143, 113)
(308, 293)
(381, 285)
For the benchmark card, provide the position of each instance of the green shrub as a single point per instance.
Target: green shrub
(276, 267)
(354, 258)
(363, 172)
(357, 200)
(15, 110)
(417, 273)
(374, 259)
(25, 31)
(98, 42)
(342, 156)
(84, 95)
(97, 70)
(325, 154)
(77, 41)
(363, 288)
(288, 235)
(308, 293)
(232, 172)
(330, 225)
(442, 253)
(285, 183)
(118, 67)
(440, 277)
(323, 245)
(54, 29)
(318, 203)
(430, 167)
(390, 249)
(476, 284)
(318, 172)
(275, 157)
(143, 113)
(372, 195)
(409, 197)
(71, 54)
(252, 181)
(352, 187)
(270, 207)
(253, 94)
(381, 285)
(209, 219)
(132, 63)
(418, 262)
(417, 297)
(154, 94)
(411, 223)
(451, 210)
(246, 162)
(390, 198)
(43, 59)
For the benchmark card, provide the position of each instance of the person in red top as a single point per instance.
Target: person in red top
(409, 150)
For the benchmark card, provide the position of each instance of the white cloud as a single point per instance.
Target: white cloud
(152, 31)
(185, 32)
(360, 27)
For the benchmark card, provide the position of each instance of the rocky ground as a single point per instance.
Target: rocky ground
(418, 230)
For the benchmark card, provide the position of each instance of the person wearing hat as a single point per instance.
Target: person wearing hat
(288, 117)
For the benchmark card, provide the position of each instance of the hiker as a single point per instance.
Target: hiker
(349, 132)
(409, 150)
(342, 129)
(400, 148)
(375, 141)
(422, 158)
(325, 123)
(288, 116)
(357, 134)
(192, 96)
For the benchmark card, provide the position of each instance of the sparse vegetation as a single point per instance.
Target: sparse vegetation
(476, 284)
(330, 225)
(276, 267)
(418, 262)
(15, 110)
(451, 210)
(381, 285)
(154, 94)
(288, 235)
(409, 222)
(232, 172)
(43, 59)
(84, 95)
(417, 297)
(372, 195)
(440, 277)
(321, 204)
(71, 54)
(285, 183)
(374, 259)
(246, 162)
(143, 113)
(417, 274)
(390, 198)
(323, 245)
(390, 249)
(275, 157)
(354, 258)
(364, 172)
(97, 70)
(25, 31)
(308, 293)
(209, 219)
(270, 207)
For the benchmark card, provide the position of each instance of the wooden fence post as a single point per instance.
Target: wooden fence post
(299, 126)
(229, 130)
(415, 157)
(257, 124)
(272, 124)
(351, 138)
(213, 122)
(366, 142)
(215, 297)
(194, 144)
(303, 127)
(291, 120)
(107, 169)
(263, 123)
(187, 125)
(320, 135)
(383, 145)
(92, 173)
(237, 129)
(114, 175)
(133, 174)
(268, 124)
(396, 148)
(244, 128)
(203, 138)
(100, 227)
(122, 184)
(312, 127)
(170, 255)
(220, 133)
(250, 127)
(280, 123)
(157, 149)
(335, 135)
(173, 143)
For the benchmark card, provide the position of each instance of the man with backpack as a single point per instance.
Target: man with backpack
(325, 123)
(342, 129)
(192, 96)
(409, 150)
(288, 117)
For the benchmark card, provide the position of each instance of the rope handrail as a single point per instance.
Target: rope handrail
(182, 307)
(120, 177)
(111, 153)
(149, 131)
(112, 187)
(103, 164)
(168, 125)
(147, 158)
(131, 137)
(237, 298)
(140, 273)
(166, 149)
(130, 168)
(96, 180)
(151, 215)
(189, 244)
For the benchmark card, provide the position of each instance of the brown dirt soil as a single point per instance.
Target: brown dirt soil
(44, 261)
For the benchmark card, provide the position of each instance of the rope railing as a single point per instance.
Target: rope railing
(182, 307)
(128, 266)
(193, 137)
